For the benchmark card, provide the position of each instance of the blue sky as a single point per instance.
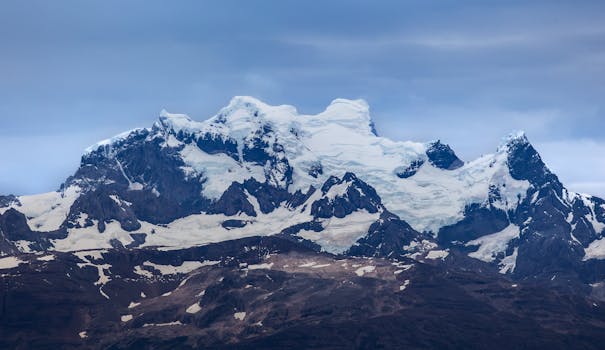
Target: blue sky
(465, 72)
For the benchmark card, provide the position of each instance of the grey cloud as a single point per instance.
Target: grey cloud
(467, 72)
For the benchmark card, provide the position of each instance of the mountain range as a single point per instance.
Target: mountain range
(265, 228)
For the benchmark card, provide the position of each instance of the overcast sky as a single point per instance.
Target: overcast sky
(465, 72)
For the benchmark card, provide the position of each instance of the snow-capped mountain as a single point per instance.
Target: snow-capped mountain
(214, 226)
(255, 169)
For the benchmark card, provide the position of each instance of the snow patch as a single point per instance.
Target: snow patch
(142, 272)
(10, 262)
(264, 266)
(365, 269)
(185, 267)
(219, 170)
(239, 316)
(46, 258)
(595, 250)
(103, 278)
(592, 217)
(174, 323)
(437, 254)
(405, 284)
(490, 246)
(93, 254)
(46, 212)
(320, 266)
(194, 309)
(339, 234)
(338, 190)
(81, 220)
(509, 263)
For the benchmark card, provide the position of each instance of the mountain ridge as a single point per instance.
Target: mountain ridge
(260, 227)
(253, 165)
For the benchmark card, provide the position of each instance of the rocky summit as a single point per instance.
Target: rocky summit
(265, 228)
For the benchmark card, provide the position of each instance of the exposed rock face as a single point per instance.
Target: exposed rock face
(410, 170)
(443, 157)
(478, 221)
(135, 179)
(342, 197)
(9, 200)
(270, 292)
(234, 201)
(525, 163)
(387, 237)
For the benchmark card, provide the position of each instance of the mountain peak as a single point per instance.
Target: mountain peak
(524, 161)
(173, 121)
(249, 102)
(343, 104)
(108, 143)
(165, 115)
(514, 138)
(353, 114)
(246, 106)
(244, 112)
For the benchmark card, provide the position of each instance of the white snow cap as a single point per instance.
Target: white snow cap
(350, 113)
(517, 136)
(113, 140)
(252, 104)
(340, 139)
(172, 117)
(353, 114)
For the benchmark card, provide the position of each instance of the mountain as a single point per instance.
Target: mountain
(310, 201)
